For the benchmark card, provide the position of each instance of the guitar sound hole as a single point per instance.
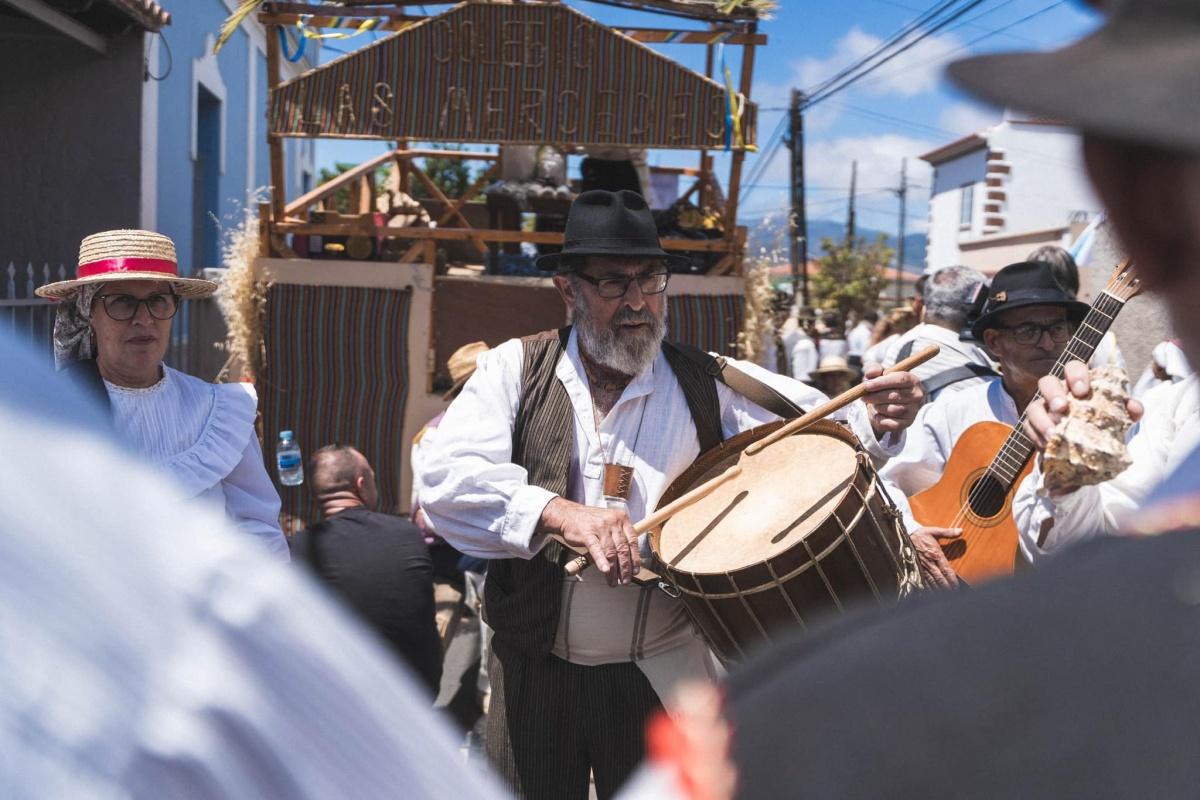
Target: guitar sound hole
(987, 496)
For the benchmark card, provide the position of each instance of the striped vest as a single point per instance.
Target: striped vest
(523, 597)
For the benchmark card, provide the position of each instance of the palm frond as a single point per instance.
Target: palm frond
(231, 23)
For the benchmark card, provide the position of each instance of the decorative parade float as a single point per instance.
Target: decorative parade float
(371, 280)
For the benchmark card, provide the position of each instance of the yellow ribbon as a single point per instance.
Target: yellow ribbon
(308, 32)
(737, 107)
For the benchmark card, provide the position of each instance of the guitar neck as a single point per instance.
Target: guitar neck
(1017, 449)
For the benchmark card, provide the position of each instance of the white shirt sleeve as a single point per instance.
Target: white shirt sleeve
(477, 498)
(1098, 510)
(920, 463)
(252, 503)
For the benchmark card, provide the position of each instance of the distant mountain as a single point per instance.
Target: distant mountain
(770, 236)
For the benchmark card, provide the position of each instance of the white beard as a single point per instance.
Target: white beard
(625, 351)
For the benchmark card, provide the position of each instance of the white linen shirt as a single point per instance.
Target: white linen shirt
(202, 435)
(482, 502)
(934, 433)
(1168, 432)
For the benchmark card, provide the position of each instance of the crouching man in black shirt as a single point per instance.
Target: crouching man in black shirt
(377, 563)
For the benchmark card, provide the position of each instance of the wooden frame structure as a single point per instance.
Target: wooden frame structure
(688, 114)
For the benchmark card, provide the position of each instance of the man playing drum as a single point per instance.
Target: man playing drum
(576, 434)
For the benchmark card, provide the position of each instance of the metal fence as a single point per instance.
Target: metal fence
(197, 332)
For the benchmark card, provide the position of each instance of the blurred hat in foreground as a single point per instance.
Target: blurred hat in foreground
(1134, 79)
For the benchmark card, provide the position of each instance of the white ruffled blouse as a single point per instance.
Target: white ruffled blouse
(202, 434)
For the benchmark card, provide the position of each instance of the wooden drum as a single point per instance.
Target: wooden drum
(804, 530)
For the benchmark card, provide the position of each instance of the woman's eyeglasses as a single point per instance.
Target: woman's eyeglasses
(124, 307)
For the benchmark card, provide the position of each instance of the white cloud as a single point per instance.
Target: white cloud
(913, 72)
(827, 164)
(964, 118)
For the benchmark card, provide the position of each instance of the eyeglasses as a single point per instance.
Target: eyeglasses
(612, 288)
(1031, 332)
(124, 307)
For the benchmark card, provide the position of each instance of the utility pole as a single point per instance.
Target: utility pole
(902, 193)
(798, 220)
(850, 211)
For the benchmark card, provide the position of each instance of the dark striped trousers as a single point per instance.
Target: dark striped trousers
(552, 722)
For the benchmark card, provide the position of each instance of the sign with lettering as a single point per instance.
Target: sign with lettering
(511, 74)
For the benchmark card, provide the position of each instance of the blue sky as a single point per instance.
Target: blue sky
(903, 109)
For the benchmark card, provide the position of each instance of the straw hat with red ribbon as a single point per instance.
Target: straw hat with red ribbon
(128, 255)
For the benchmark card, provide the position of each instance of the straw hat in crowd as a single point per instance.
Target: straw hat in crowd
(834, 364)
(128, 255)
(462, 366)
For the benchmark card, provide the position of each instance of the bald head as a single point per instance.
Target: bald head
(341, 478)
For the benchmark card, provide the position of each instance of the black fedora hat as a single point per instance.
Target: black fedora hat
(1134, 79)
(603, 223)
(1028, 283)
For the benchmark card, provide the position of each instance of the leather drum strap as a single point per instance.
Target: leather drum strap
(741, 382)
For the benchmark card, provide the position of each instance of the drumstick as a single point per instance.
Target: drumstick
(575, 566)
(841, 401)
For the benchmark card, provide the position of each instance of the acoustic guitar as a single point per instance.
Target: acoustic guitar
(990, 460)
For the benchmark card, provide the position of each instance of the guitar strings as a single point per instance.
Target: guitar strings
(993, 491)
(1000, 483)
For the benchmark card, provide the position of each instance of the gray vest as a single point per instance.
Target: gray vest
(523, 597)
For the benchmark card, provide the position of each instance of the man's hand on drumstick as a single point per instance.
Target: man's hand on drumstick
(892, 400)
(606, 534)
(935, 568)
(1048, 409)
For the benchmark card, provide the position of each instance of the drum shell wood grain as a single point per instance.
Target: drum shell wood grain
(856, 553)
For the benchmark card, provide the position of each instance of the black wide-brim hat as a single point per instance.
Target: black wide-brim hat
(1134, 79)
(602, 223)
(1027, 283)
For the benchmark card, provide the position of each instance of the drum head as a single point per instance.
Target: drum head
(783, 493)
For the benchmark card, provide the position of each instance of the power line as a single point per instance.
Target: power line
(970, 23)
(864, 67)
(883, 46)
(972, 42)
(763, 161)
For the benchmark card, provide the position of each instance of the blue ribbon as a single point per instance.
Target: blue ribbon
(728, 109)
(283, 45)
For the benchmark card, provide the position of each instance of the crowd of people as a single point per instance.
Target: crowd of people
(155, 645)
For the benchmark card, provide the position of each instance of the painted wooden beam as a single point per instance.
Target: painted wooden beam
(66, 25)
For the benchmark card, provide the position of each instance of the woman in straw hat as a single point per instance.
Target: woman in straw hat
(111, 333)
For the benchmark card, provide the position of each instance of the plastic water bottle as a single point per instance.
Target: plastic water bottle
(287, 458)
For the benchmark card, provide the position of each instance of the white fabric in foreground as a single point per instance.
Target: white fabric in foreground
(139, 665)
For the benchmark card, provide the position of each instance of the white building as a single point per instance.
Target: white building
(1002, 192)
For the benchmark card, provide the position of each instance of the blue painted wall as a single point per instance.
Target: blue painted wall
(192, 23)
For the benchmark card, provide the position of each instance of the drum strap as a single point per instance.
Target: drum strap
(742, 382)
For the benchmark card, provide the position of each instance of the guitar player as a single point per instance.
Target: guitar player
(1026, 323)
